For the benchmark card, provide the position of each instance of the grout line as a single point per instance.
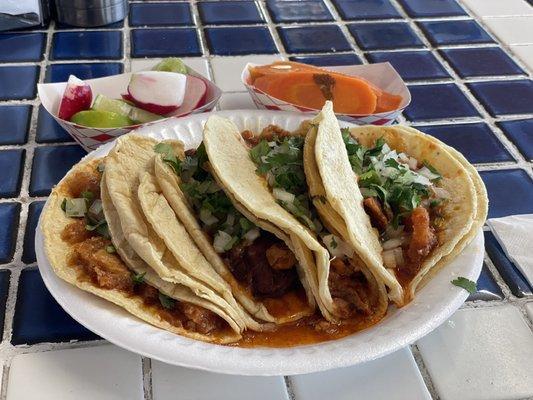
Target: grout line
(147, 378)
(424, 371)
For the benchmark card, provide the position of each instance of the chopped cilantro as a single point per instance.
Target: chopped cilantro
(333, 243)
(110, 249)
(433, 170)
(466, 284)
(100, 167)
(138, 278)
(168, 156)
(64, 204)
(167, 302)
(87, 195)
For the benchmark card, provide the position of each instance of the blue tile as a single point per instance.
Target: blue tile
(432, 8)
(11, 165)
(48, 130)
(412, 65)
(510, 274)
(483, 61)
(15, 124)
(521, 134)
(475, 141)
(114, 25)
(229, 12)
(18, 83)
(9, 222)
(61, 72)
(160, 14)
(38, 318)
(298, 11)
(50, 164)
(505, 97)
(510, 192)
(438, 102)
(384, 35)
(4, 289)
(34, 212)
(329, 59)
(366, 9)
(487, 288)
(454, 32)
(320, 39)
(86, 45)
(164, 42)
(21, 46)
(239, 41)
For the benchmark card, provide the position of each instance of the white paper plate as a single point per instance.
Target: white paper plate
(431, 307)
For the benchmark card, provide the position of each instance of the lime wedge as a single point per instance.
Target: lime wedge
(101, 119)
(171, 64)
(138, 115)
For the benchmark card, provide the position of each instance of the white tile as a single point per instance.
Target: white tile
(392, 377)
(529, 309)
(197, 63)
(512, 30)
(498, 8)
(483, 353)
(525, 53)
(103, 373)
(170, 383)
(236, 101)
(227, 70)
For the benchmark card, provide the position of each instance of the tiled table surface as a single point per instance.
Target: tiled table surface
(469, 69)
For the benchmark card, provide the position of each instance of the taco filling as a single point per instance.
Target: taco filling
(257, 259)
(403, 199)
(95, 259)
(278, 155)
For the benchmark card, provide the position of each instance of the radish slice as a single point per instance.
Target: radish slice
(77, 96)
(157, 91)
(195, 94)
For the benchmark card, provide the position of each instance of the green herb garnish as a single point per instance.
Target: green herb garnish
(111, 249)
(466, 284)
(138, 278)
(167, 302)
(168, 156)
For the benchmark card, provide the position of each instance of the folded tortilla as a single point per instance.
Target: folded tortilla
(54, 221)
(463, 212)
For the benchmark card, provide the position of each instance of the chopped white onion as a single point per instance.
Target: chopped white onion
(207, 218)
(392, 233)
(336, 246)
(230, 220)
(389, 260)
(385, 149)
(283, 195)
(421, 179)
(413, 163)
(221, 241)
(403, 158)
(252, 234)
(424, 171)
(392, 243)
(441, 193)
(398, 254)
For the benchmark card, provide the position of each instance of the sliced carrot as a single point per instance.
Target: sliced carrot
(310, 89)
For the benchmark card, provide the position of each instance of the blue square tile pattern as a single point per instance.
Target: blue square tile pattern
(432, 8)
(34, 212)
(505, 97)
(9, 221)
(38, 318)
(61, 72)
(454, 32)
(329, 59)
(15, 124)
(319, 39)
(11, 165)
(50, 164)
(18, 82)
(510, 192)
(366, 9)
(510, 274)
(438, 101)
(164, 43)
(475, 141)
(384, 35)
(412, 65)
(229, 12)
(17, 47)
(298, 11)
(160, 14)
(4, 289)
(484, 61)
(240, 41)
(521, 134)
(86, 45)
(48, 130)
(487, 288)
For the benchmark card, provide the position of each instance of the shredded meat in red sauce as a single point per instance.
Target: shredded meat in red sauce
(83, 181)
(75, 232)
(249, 264)
(347, 288)
(423, 239)
(378, 218)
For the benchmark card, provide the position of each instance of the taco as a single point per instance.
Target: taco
(88, 250)
(264, 173)
(422, 201)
